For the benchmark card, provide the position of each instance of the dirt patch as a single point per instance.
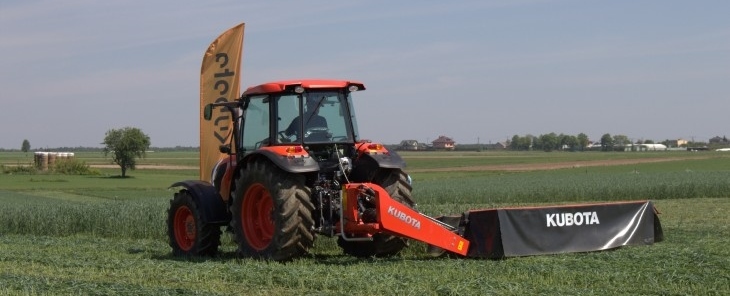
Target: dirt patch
(499, 167)
(552, 166)
(148, 167)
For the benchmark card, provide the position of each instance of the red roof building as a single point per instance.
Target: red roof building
(443, 143)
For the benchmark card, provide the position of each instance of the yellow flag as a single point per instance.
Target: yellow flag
(219, 82)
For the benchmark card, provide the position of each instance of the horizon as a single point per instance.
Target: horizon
(152, 148)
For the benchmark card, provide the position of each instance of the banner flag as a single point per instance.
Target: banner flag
(219, 82)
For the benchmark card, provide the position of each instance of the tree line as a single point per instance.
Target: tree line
(562, 142)
(549, 142)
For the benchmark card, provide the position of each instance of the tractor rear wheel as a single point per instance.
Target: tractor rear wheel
(396, 183)
(188, 234)
(271, 213)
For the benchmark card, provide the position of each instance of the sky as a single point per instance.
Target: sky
(476, 71)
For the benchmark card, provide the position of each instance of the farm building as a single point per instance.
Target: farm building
(443, 143)
(412, 145)
(677, 143)
(719, 140)
(641, 147)
(652, 147)
(408, 145)
(497, 146)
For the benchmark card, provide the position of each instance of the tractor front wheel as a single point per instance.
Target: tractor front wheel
(271, 213)
(188, 234)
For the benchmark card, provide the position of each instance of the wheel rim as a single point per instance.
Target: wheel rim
(185, 230)
(256, 217)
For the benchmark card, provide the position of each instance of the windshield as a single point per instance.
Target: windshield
(324, 117)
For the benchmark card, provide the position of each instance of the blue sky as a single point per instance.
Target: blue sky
(471, 70)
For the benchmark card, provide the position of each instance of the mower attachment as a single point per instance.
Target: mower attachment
(526, 231)
(368, 209)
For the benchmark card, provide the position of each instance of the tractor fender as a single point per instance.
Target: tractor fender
(367, 163)
(298, 162)
(391, 160)
(384, 158)
(213, 208)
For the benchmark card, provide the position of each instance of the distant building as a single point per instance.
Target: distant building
(677, 143)
(652, 147)
(497, 146)
(594, 146)
(408, 145)
(443, 143)
(719, 140)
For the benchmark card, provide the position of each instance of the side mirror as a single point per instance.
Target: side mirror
(226, 149)
(208, 112)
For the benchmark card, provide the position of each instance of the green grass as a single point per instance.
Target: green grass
(69, 235)
(692, 260)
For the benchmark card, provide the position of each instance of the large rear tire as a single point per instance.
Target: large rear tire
(271, 213)
(188, 234)
(396, 183)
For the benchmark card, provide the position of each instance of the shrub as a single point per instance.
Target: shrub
(73, 167)
(19, 169)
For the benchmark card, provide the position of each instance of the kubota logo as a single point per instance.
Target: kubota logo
(404, 217)
(222, 85)
(571, 219)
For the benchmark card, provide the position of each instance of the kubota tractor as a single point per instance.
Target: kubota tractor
(296, 168)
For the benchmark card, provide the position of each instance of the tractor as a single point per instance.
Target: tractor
(294, 156)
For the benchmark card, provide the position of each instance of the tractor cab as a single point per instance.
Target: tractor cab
(315, 117)
(307, 113)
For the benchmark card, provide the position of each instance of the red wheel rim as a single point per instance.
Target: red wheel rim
(256, 217)
(185, 230)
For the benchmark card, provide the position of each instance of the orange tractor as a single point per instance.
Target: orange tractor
(296, 168)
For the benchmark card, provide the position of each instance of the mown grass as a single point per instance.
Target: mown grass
(64, 235)
(693, 260)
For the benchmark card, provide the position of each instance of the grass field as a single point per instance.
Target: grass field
(69, 235)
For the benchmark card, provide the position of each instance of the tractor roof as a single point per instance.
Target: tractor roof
(280, 86)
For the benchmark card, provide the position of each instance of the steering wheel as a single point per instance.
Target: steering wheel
(283, 137)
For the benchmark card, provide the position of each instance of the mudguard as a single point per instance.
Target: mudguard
(392, 161)
(213, 209)
(379, 154)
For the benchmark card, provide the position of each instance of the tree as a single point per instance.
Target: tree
(515, 143)
(521, 143)
(26, 146)
(126, 145)
(621, 140)
(549, 142)
(606, 142)
(570, 141)
(583, 141)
